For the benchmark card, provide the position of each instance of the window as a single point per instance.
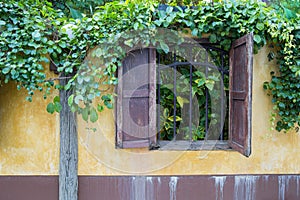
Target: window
(146, 117)
(187, 113)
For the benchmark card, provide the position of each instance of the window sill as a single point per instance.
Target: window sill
(193, 146)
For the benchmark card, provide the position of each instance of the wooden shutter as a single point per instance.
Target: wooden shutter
(240, 98)
(136, 103)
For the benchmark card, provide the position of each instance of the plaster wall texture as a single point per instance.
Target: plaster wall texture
(29, 142)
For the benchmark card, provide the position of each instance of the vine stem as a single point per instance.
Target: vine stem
(58, 78)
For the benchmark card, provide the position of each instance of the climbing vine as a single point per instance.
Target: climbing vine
(27, 36)
(32, 32)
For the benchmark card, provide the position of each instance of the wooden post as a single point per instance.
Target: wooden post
(68, 163)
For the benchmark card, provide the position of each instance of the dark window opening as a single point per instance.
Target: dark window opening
(183, 93)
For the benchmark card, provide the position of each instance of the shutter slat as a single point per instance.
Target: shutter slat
(239, 95)
(135, 144)
(241, 61)
(135, 98)
(139, 93)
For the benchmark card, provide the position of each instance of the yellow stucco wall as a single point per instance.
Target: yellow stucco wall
(29, 136)
(29, 142)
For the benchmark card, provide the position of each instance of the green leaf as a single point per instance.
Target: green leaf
(289, 13)
(105, 98)
(93, 115)
(169, 9)
(56, 99)
(166, 112)
(62, 44)
(188, 23)
(50, 108)
(167, 126)
(108, 104)
(158, 22)
(70, 100)
(169, 86)
(281, 105)
(44, 40)
(266, 85)
(2, 22)
(210, 84)
(28, 98)
(85, 114)
(213, 38)
(100, 108)
(80, 80)
(78, 98)
(214, 77)
(5, 70)
(135, 25)
(172, 118)
(129, 42)
(76, 14)
(36, 35)
(164, 47)
(260, 26)
(257, 38)
(73, 108)
(68, 86)
(169, 19)
(200, 81)
(195, 32)
(91, 96)
(181, 100)
(57, 106)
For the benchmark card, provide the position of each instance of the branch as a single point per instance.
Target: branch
(58, 78)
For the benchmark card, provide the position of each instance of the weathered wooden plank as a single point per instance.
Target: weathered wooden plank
(240, 94)
(68, 163)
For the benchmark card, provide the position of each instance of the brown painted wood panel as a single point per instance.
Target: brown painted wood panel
(28, 187)
(240, 98)
(136, 100)
(197, 187)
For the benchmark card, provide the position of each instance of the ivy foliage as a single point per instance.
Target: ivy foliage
(27, 35)
(33, 32)
(284, 86)
(77, 8)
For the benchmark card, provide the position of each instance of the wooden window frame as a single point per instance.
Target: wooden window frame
(240, 100)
